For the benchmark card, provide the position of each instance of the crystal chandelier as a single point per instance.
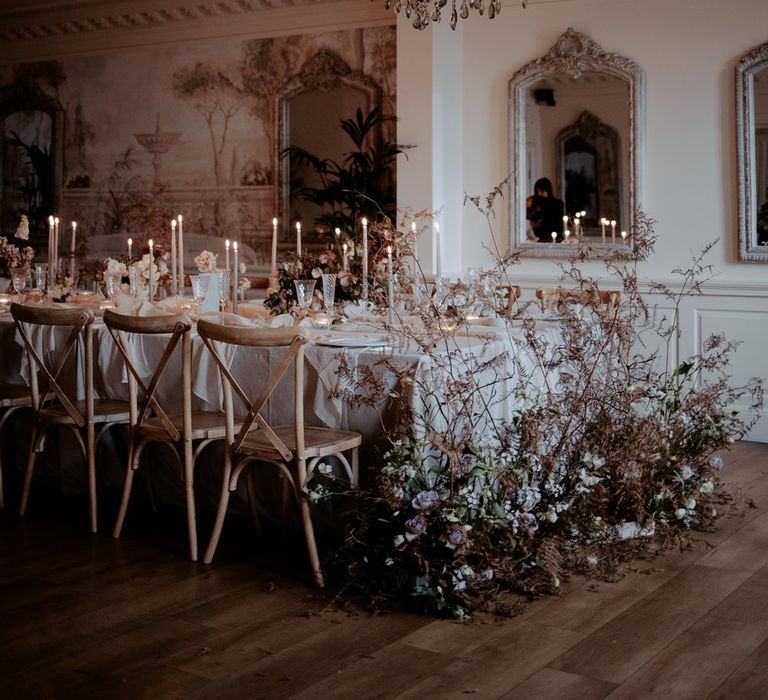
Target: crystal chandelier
(424, 11)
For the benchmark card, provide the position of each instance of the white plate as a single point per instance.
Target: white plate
(353, 341)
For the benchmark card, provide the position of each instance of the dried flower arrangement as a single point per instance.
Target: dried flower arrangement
(12, 255)
(608, 444)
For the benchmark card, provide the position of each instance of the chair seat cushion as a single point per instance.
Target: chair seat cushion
(318, 442)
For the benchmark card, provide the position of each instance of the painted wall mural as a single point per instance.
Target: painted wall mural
(151, 132)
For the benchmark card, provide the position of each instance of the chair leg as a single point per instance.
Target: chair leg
(91, 459)
(287, 491)
(133, 457)
(221, 513)
(356, 467)
(3, 419)
(309, 530)
(251, 483)
(30, 467)
(189, 490)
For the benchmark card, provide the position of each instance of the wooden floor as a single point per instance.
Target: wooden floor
(85, 616)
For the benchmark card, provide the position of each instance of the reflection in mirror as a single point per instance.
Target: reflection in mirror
(574, 125)
(752, 125)
(310, 107)
(314, 117)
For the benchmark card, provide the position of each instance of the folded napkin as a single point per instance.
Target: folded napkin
(253, 311)
(172, 305)
(125, 304)
(148, 309)
(281, 321)
(227, 319)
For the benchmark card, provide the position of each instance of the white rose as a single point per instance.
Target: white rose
(680, 513)
(690, 504)
(707, 487)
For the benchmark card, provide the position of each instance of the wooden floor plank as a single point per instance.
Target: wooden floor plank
(499, 664)
(549, 683)
(696, 662)
(619, 648)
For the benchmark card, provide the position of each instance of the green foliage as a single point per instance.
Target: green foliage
(361, 184)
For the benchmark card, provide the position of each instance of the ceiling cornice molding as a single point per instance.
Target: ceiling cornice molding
(50, 28)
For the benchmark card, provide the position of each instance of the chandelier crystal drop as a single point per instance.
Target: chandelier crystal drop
(422, 12)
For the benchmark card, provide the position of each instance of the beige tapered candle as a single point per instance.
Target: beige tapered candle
(72, 244)
(365, 260)
(151, 269)
(235, 283)
(174, 264)
(130, 250)
(273, 274)
(181, 254)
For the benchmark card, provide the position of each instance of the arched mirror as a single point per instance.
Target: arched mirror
(574, 133)
(752, 125)
(310, 109)
(31, 135)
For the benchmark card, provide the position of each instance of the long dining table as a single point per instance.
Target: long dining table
(333, 358)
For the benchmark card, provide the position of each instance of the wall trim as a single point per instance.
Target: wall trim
(67, 28)
(713, 288)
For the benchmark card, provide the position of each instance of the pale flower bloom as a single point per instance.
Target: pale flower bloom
(206, 261)
(22, 232)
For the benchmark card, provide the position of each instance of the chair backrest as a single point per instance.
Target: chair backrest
(49, 366)
(293, 341)
(586, 297)
(142, 393)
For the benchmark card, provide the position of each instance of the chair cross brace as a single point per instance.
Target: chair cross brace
(254, 407)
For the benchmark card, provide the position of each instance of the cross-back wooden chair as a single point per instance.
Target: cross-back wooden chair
(12, 398)
(586, 297)
(298, 446)
(150, 421)
(52, 404)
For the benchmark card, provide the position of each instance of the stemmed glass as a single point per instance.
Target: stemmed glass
(133, 281)
(222, 277)
(113, 283)
(304, 291)
(19, 277)
(199, 287)
(329, 291)
(41, 273)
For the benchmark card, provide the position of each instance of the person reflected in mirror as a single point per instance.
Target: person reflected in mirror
(762, 224)
(545, 212)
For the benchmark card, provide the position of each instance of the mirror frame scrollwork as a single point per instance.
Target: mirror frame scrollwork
(572, 54)
(749, 64)
(324, 71)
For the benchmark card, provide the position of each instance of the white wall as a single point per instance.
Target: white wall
(688, 50)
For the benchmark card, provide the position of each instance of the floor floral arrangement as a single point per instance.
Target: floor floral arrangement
(612, 448)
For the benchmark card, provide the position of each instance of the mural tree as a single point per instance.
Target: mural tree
(216, 97)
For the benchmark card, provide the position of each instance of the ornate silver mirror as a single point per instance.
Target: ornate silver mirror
(575, 119)
(752, 126)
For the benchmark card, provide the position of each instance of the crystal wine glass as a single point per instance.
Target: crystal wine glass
(329, 291)
(19, 277)
(222, 278)
(304, 291)
(41, 274)
(133, 281)
(199, 287)
(112, 283)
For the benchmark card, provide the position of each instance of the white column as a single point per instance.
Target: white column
(431, 118)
